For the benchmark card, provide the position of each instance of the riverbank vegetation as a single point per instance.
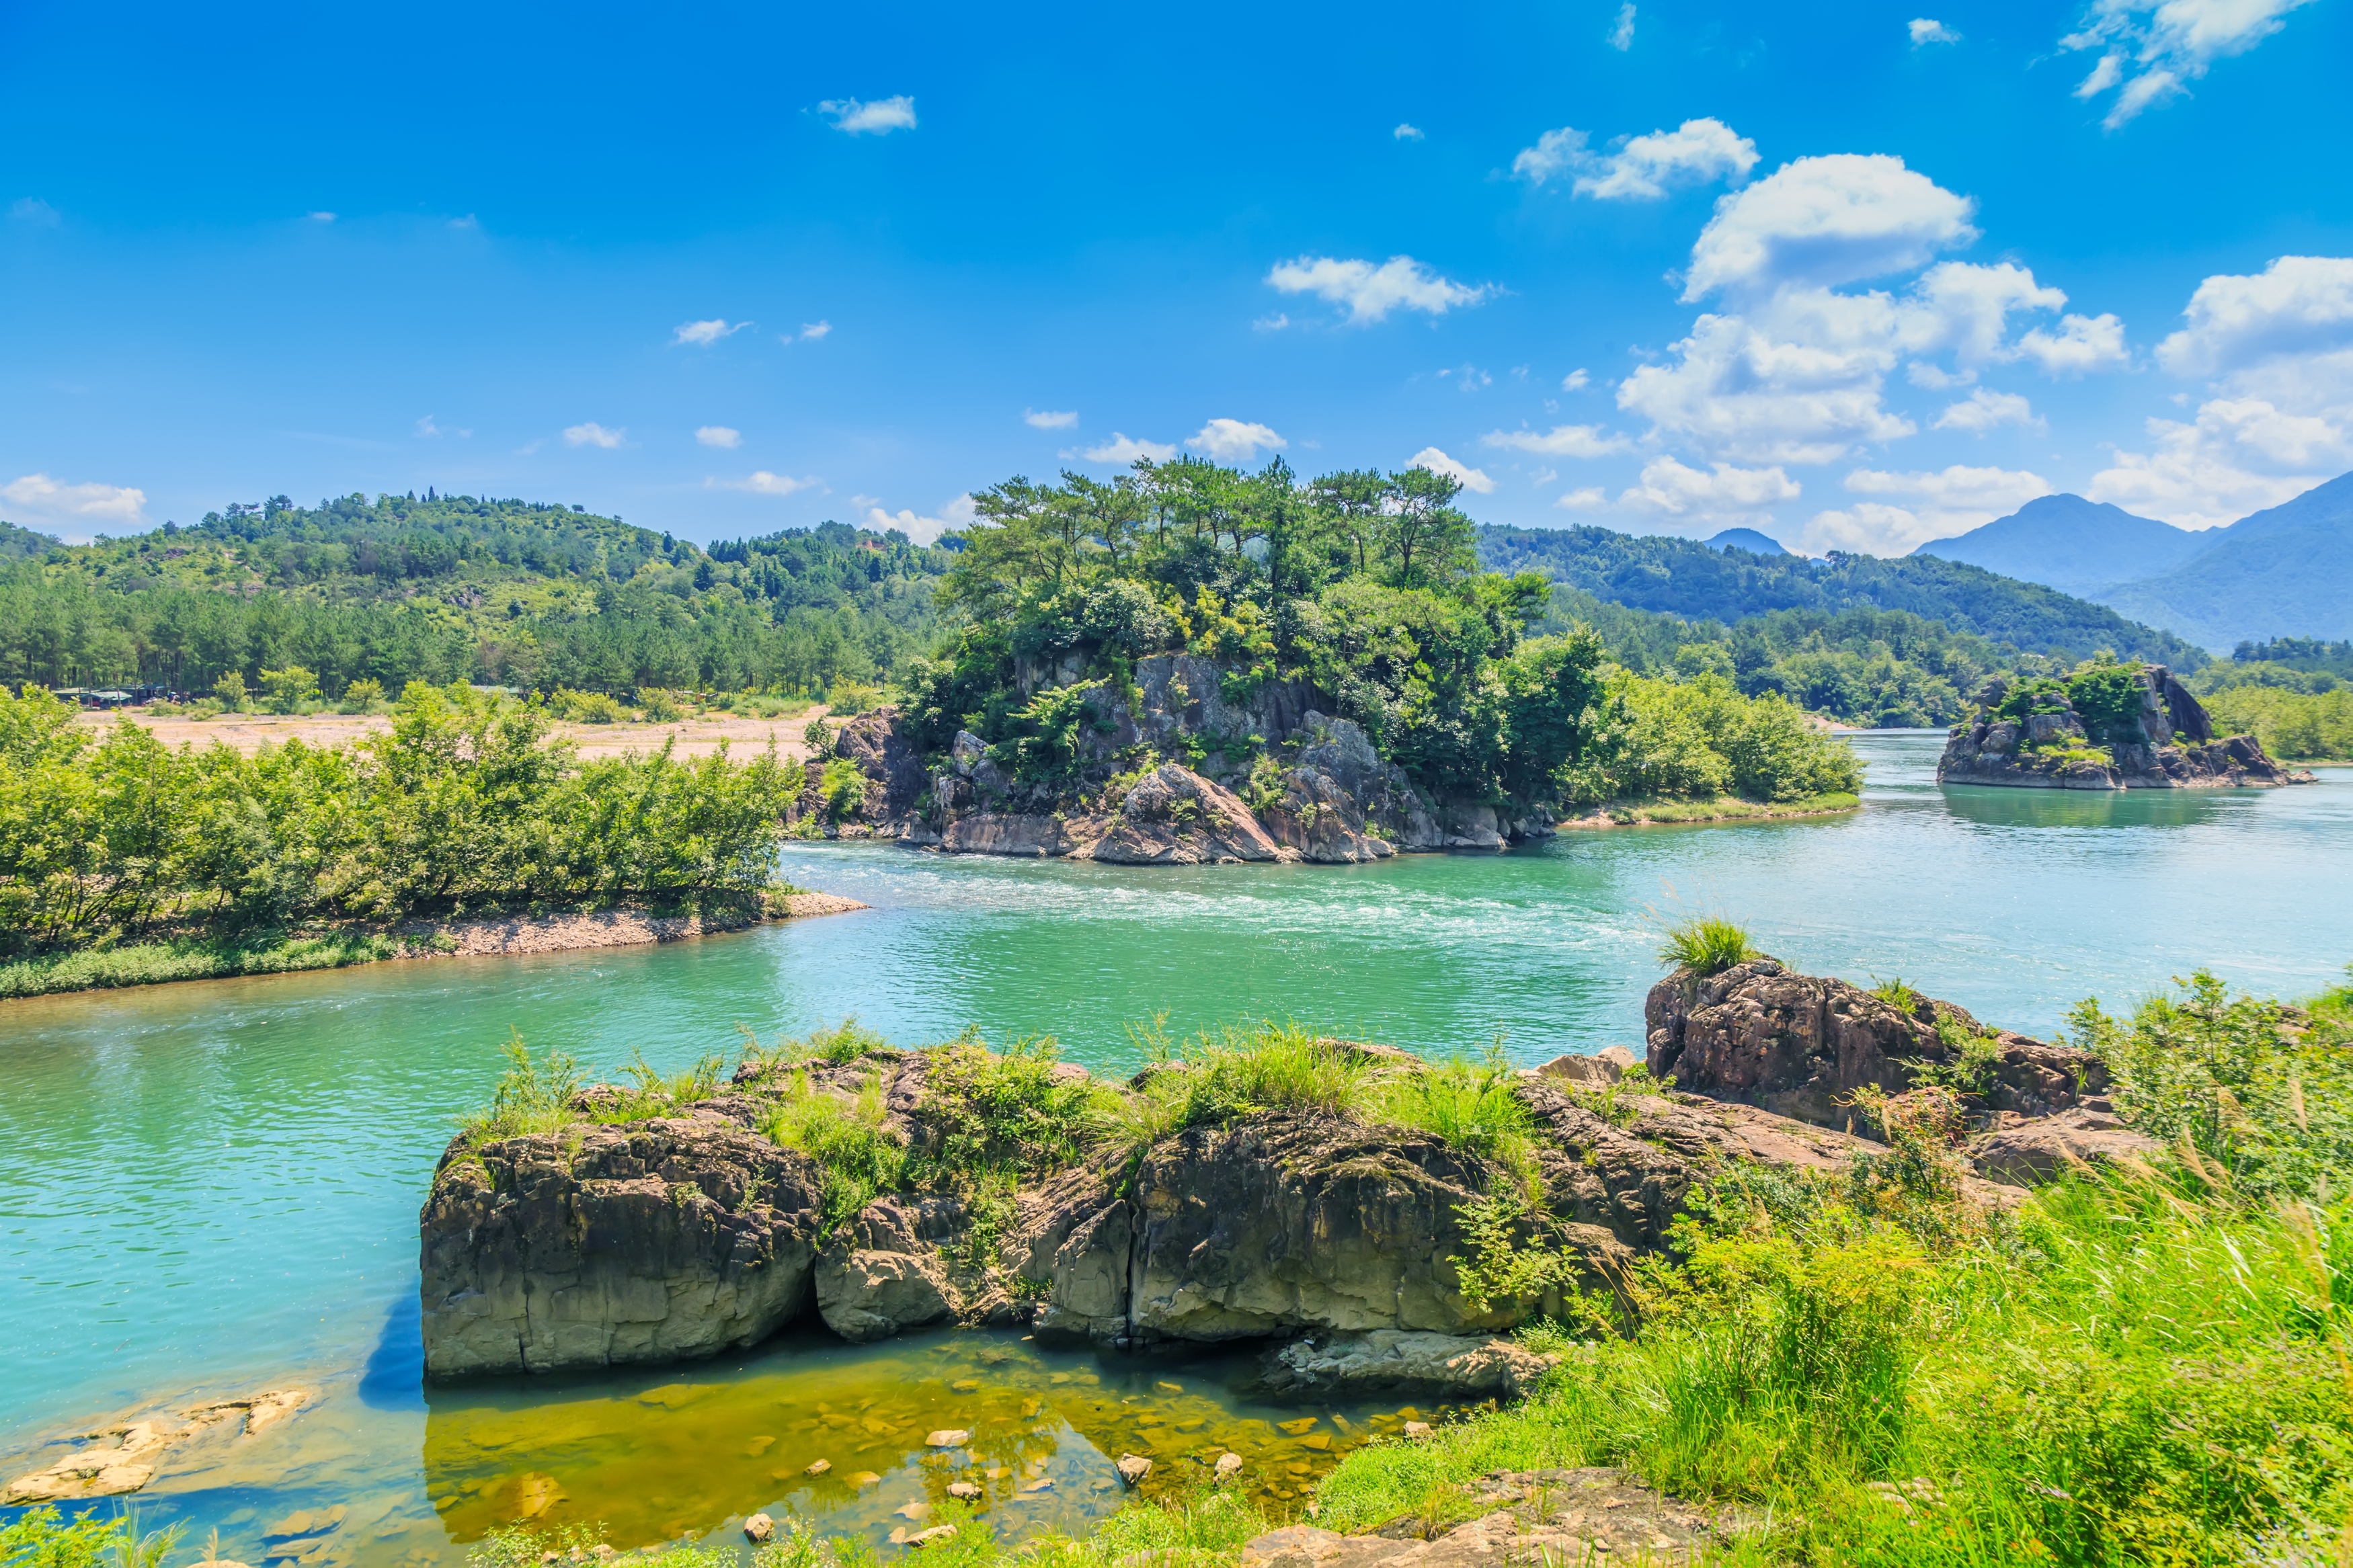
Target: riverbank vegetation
(184, 861)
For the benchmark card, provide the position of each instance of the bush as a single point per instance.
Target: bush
(588, 706)
(534, 1095)
(362, 696)
(1007, 1110)
(1700, 739)
(230, 691)
(2289, 725)
(857, 1154)
(842, 789)
(658, 704)
(290, 690)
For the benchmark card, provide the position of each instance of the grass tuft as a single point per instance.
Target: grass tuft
(1705, 945)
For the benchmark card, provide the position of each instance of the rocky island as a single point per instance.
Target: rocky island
(2108, 727)
(1320, 1196)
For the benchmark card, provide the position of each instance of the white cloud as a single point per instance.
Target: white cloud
(1927, 30)
(811, 332)
(2082, 343)
(592, 434)
(1759, 397)
(1725, 495)
(2155, 48)
(321, 217)
(2297, 306)
(1982, 411)
(427, 428)
(1640, 168)
(1965, 308)
(1621, 33)
(1234, 440)
(878, 118)
(1560, 441)
(1936, 506)
(1124, 448)
(33, 211)
(1438, 462)
(1049, 419)
(2278, 347)
(1467, 377)
(760, 482)
(957, 514)
(1576, 380)
(1826, 221)
(1590, 499)
(702, 334)
(40, 502)
(1406, 133)
(1371, 292)
(1274, 323)
(724, 436)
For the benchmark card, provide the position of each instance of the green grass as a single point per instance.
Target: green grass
(1724, 808)
(534, 1095)
(1704, 945)
(154, 962)
(859, 1156)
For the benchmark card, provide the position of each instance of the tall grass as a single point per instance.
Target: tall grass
(1704, 945)
(859, 1157)
(534, 1095)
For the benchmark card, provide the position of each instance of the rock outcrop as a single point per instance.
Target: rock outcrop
(1173, 817)
(1389, 1361)
(2169, 743)
(1589, 1516)
(648, 1241)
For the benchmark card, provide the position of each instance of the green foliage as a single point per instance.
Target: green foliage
(1468, 1105)
(1238, 1070)
(2262, 1092)
(534, 1095)
(2290, 726)
(659, 705)
(844, 1042)
(2107, 699)
(1503, 1264)
(660, 1094)
(1009, 1109)
(293, 689)
(841, 788)
(1699, 739)
(229, 690)
(362, 696)
(1704, 945)
(41, 1537)
(155, 963)
(857, 1156)
(1043, 736)
(586, 707)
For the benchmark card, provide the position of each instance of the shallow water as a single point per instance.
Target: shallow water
(212, 1187)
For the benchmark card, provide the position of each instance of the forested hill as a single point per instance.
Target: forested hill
(460, 587)
(1686, 578)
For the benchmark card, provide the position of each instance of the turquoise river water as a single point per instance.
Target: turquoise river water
(211, 1188)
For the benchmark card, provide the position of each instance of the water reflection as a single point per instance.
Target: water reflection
(1986, 805)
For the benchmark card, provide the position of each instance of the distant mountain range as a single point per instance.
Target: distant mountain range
(2286, 572)
(1708, 581)
(1748, 539)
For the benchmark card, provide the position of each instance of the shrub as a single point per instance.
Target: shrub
(1469, 1104)
(1007, 1110)
(859, 1157)
(362, 696)
(291, 689)
(841, 788)
(534, 1095)
(658, 704)
(588, 706)
(818, 738)
(1704, 945)
(229, 690)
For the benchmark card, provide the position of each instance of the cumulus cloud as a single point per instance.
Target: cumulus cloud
(1438, 462)
(702, 334)
(2277, 348)
(1725, 495)
(1124, 448)
(1560, 441)
(1576, 380)
(1827, 221)
(878, 118)
(957, 514)
(1050, 419)
(1982, 411)
(1408, 132)
(1371, 292)
(1234, 440)
(38, 501)
(1926, 506)
(2082, 343)
(1590, 499)
(2150, 50)
(1621, 32)
(1756, 396)
(1927, 30)
(594, 435)
(1638, 168)
(724, 436)
(760, 482)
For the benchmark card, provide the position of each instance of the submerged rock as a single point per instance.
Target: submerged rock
(650, 1241)
(1449, 1366)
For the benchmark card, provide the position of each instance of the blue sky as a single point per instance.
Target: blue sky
(1670, 266)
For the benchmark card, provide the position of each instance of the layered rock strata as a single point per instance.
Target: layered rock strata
(2169, 743)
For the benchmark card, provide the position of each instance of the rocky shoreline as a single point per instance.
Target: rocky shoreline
(2167, 744)
(1336, 1242)
(508, 935)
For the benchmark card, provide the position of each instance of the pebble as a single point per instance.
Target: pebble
(1417, 1429)
(758, 1528)
(948, 1438)
(963, 1489)
(913, 1510)
(819, 1467)
(1229, 1463)
(1042, 1484)
(864, 1479)
(933, 1536)
(1134, 1467)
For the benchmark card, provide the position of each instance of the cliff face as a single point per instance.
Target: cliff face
(2170, 745)
(691, 1235)
(1262, 777)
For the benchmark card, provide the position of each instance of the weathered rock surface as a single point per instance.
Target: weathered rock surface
(650, 1241)
(2169, 745)
(2026, 1151)
(122, 1458)
(1566, 1517)
(878, 1276)
(1174, 816)
(1802, 1044)
(1449, 1366)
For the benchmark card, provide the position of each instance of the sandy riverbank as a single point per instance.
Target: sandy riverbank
(249, 732)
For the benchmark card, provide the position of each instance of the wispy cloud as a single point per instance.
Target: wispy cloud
(1621, 33)
(1125, 448)
(321, 217)
(1050, 419)
(2150, 50)
(702, 334)
(724, 436)
(760, 482)
(811, 332)
(594, 435)
(1370, 292)
(1408, 132)
(1560, 441)
(1234, 440)
(33, 211)
(878, 118)
(427, 428)
(1927, 30)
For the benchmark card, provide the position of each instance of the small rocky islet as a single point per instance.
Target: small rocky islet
(2166, 741)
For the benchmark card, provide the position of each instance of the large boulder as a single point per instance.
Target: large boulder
(880, 1276)
(1802, 1044)
(1391, 1361)
(651, 1241)
(1174, 816)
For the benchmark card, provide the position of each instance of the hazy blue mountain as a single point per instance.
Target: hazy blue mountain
(1748, 539)
(2287, 572)
(2072, 544)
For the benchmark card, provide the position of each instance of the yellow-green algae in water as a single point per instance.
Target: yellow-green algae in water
(688, 1456)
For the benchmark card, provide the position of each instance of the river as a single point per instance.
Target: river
(212, 1187)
